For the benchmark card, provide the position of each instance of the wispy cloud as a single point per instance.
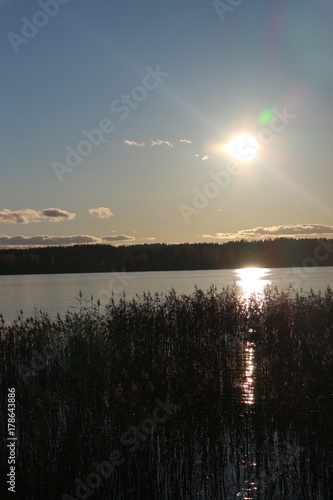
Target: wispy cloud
(45, 240)
(187, 141)
(158, 142)
(27, 215)
(119, 237)
(134, 143)
(287, 231)
(101, 212)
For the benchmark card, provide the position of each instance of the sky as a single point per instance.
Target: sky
(116, 117)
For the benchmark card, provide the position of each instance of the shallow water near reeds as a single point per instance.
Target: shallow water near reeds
(210, 395)
(55, 293)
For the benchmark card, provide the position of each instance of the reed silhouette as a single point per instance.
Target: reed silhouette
(252, 381)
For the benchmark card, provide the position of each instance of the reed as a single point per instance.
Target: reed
(84, 379)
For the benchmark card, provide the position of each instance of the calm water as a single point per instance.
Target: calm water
(57, 293)
(253, 418)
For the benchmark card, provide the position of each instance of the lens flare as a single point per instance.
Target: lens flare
(266, 116)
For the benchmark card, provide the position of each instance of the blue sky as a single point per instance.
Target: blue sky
(190, 75)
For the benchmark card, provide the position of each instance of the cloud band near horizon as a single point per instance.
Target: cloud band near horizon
(46, 240)
(283, 231)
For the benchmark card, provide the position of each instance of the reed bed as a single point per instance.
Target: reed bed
(84, 379)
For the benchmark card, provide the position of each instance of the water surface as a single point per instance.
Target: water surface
(55, 293)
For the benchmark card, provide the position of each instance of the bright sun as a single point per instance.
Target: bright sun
(243, 148)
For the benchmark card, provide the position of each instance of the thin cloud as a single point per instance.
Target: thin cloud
(119, 237)
(187, 141)
(150, 238)
(134, 143)
(283, 231)
(161, 143)
(27, 215)
(45, 240)
(101, 212)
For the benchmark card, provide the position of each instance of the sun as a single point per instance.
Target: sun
(243, 148)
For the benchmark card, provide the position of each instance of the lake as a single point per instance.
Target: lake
(56, 293)
(174, 394)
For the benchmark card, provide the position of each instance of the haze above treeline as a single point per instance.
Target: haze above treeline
(282, 252)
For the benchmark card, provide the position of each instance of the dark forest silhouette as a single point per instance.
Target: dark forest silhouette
(282, 252)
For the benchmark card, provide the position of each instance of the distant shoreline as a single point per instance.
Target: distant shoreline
(158, 257)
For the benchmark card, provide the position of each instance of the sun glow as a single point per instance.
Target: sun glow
(243, 148)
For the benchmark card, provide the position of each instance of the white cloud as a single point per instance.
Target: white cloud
(101, 212)
(27, 215)
(134, 143)
(161, 143)
(282, 231)
(187, 141)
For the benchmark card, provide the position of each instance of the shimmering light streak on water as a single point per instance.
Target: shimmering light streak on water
(248, 385)
(252, 280)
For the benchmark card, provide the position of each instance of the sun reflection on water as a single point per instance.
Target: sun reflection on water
(248, 385)
(252, 280)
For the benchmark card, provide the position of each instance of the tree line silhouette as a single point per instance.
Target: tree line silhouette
(281, 252)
